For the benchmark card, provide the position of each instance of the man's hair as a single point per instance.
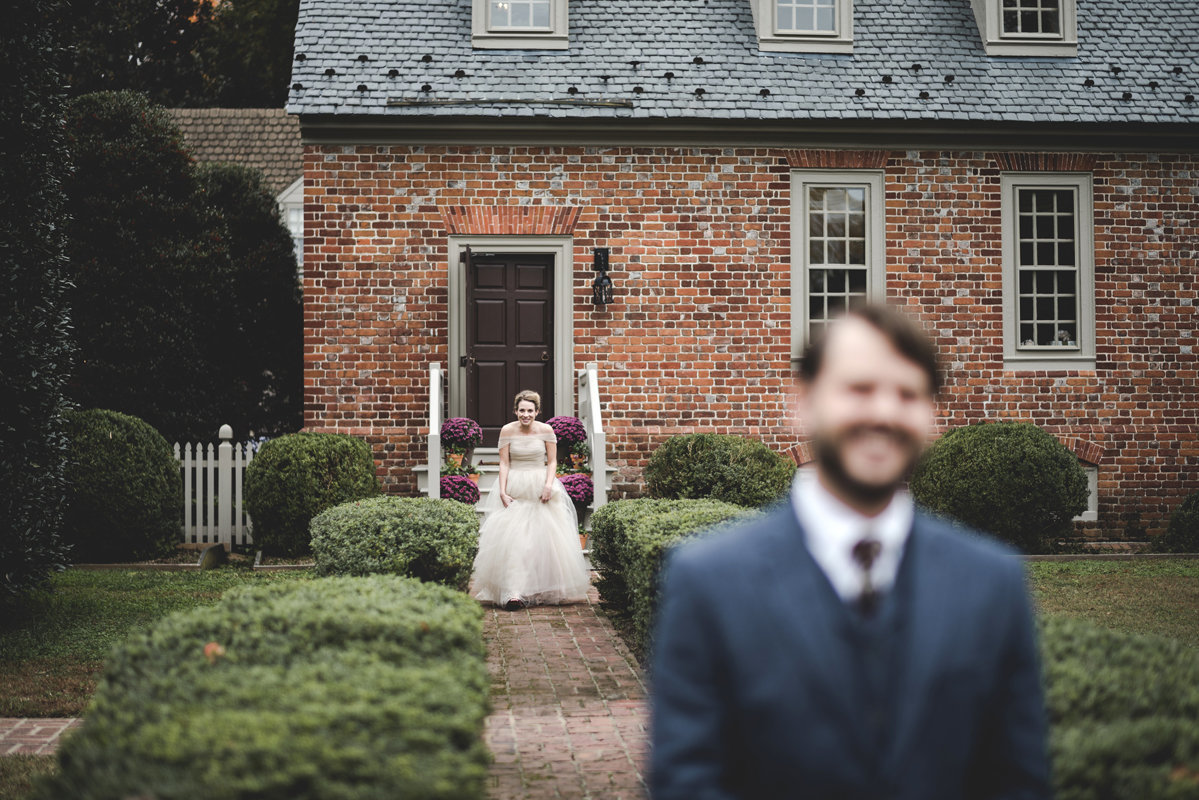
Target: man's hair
(902, 331)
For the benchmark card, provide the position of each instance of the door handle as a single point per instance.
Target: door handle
(466, 360)
(545, 355)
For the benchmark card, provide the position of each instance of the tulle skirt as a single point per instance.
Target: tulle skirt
(530, 550)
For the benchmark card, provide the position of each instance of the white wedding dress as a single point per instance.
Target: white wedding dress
(529, 550)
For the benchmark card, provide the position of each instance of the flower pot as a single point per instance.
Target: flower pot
(583, 541)
(474, 476)
(455, 458)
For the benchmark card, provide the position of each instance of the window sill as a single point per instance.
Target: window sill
(800, 44)
(1075, 363)
(519, 41)
(1031, 48)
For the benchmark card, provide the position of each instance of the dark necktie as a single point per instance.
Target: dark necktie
(865, 552)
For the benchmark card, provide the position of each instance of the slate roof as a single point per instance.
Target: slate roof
(267, 138)
(427, 42)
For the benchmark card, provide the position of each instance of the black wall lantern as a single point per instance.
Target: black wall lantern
(601, 288)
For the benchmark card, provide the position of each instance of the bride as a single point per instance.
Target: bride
(529, 551)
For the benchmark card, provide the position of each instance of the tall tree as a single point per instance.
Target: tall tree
(36, 350)
(148, 265)
(150, 46)
(260, 337)
(247, 52)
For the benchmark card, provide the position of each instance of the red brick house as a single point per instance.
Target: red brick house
(1021, 174)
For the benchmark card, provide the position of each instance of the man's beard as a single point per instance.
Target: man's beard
(827, 450)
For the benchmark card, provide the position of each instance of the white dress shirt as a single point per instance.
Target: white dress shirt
(831, 529)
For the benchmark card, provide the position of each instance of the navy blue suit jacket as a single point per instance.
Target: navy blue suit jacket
(751, 688)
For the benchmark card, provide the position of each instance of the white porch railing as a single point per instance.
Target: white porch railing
(591, 415)
(436, 399)
(213, 479)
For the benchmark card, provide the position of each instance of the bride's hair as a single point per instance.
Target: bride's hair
(531, 396)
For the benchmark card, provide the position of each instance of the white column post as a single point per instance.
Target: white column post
(224, 530)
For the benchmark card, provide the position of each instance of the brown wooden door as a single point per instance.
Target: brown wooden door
(509, 336)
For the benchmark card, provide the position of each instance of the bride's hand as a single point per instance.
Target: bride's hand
(545, 494)
(506, 499)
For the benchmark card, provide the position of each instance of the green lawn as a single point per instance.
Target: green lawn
(1159, 596)
(17, 773)
(52, 651)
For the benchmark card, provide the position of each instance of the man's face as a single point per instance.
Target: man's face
(868, 412)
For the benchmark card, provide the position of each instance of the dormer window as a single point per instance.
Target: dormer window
(1032, 18)
(804, 26)
(520, 24)
(1027, 27)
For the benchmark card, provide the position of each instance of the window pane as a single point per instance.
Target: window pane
(836, 251)
(836, 280)
(1046, 238)
(857, 251)
(816, 224)
(836, 225)
(541, 15)
(825, 20)
(857, 225)
(857, 281)
(499, 13)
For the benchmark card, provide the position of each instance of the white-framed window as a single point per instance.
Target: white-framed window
(804, 26)
(1091, 513)
(519, 24)
(837, 246)
(291, 206)
(1048, 270)
(1028, 27)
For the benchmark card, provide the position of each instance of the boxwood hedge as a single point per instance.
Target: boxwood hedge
(342, 687)
(124, 489)
(295, 477)
(1123, 713)
(628, 541)
(426, 538)
(718, 467)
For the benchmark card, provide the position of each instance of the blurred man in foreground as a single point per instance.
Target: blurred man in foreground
(848, 645)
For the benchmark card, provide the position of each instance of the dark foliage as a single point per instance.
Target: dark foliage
(1182, 536)
(248, 53)
(186, 297)
(147, 46)
(259, 346)
(124, 489)
(36, 347)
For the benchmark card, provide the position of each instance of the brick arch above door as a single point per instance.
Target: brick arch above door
(510, 220)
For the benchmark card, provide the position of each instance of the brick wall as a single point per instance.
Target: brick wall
(698, 338)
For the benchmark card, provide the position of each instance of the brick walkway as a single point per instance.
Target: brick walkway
(22, 736)
(569, 717)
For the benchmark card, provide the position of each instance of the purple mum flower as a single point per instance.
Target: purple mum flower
(461, 431)
(579, 487)
(460, 488)
(569, 430)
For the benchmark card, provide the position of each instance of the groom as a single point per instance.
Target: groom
(848, 645)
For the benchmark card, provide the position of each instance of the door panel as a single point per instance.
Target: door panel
(509, 336)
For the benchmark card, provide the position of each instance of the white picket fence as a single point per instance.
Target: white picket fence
(212, 491)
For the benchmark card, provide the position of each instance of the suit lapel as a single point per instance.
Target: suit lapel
(810, 620)
(923, 635)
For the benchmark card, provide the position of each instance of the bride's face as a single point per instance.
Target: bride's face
(526, 412)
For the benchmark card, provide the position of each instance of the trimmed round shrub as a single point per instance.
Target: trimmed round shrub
(1182, 536)
(297, 476)
(124, 489)
(1011, 479)
(1122, 711)
(714, 466)
(422, 537)
(343, 687)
